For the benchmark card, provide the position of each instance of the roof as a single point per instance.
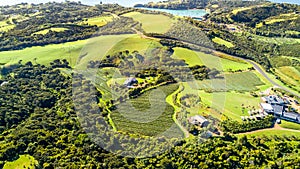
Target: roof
(278, 109)
(272, 99)
(4, 83)
(266, 106)
(130, 81)
(199, 119)
(291, 115)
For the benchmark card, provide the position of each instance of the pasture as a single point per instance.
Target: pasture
(190, 89)
(223, 42)
(289, 75)
(231, 104)
(45, 31)
(276, 40)
(279, 18)
(290, 72)
(152, 23)
(135, 43)
(24, 161)
(148, 114)
(243, 81)
(91, 49)
(98, 21)
(193, 58)
(6, 25)
(289, 125)
(271, 133)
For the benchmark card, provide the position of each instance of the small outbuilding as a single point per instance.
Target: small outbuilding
(290, 116)
(4, 83)
(266, 107)
(130, 82)
(199, 120)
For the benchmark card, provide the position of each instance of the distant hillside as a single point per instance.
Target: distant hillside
(199, 4)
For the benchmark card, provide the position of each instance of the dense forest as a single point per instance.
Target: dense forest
(68, 16)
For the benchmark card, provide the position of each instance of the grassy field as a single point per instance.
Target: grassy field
(152, 23)
(91, 49)
(4, 26)
(244, 81)
(235, 11)
(193, 58)
(223, 42)
(135, 43)
(272, 132)
(277, 40)
(290, 125)
(198, 109)
(289, 75)
(149, 114)
(279, 18)
(290, 72)
(24, 161)
(230, 103)
(97, 48)
(45, 31)
(99, 21)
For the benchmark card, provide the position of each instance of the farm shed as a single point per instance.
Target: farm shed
(199, 120)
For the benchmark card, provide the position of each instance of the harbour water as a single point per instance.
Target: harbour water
(191, 13)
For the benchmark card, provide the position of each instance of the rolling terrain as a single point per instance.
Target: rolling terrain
(119, 87)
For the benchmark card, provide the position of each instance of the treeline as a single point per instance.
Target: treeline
(256, 15)
(9, 41)
(18, 102)
(66, 15)
(287, 28)
(232, 126)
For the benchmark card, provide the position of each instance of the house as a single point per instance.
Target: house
(278, 110)
(290, 116)
(266, 107)
(199, 120)
(273, 100)
(4, 83)
(130, 82)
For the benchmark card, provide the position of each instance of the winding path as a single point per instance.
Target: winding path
(256, 66)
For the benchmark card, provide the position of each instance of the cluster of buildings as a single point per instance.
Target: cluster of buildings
(254, 115)
(278, 107)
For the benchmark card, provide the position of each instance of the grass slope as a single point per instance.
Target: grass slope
(193, 58)
(230, 103)
(24, 161)
(272, 132)
(94, 48)
(152, 23)
(135, 43)
(244, 81)
(290, 72)
(6, 25)
(98, 21)
(223, 42)
(45, 31)
(290, 125)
